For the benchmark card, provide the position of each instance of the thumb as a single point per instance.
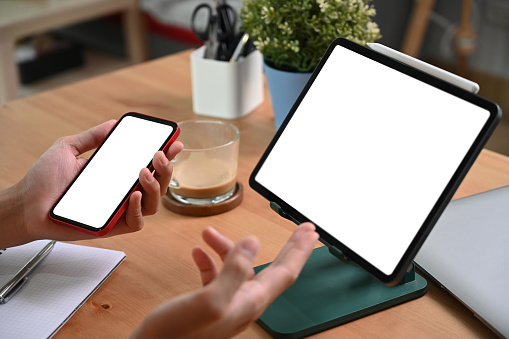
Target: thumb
(89, 139)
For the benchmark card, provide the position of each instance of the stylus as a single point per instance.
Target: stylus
(425, 67)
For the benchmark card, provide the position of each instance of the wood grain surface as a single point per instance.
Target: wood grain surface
(159, 264)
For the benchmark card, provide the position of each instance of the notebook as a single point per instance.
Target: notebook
(56, 288)
(467, 253)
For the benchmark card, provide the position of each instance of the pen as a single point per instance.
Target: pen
(15, 284)
(240, 46)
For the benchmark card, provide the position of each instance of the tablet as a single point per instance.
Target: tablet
(371, 153)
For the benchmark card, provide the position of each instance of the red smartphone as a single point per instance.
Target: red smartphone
(99, 194)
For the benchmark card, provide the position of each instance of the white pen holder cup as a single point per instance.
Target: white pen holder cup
(226, 90)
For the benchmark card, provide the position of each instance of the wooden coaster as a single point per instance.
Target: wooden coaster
(204, 210)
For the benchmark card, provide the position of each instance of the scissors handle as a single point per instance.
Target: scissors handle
(202, 34)
(226, 20)
(216, 28)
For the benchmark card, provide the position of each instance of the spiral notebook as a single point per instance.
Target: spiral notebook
(56, 288)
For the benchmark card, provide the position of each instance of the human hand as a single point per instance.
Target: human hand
(51, 174)
(233, 298)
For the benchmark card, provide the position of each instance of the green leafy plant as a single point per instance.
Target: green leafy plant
(293, 34)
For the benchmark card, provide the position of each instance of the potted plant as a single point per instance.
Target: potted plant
(292, 35)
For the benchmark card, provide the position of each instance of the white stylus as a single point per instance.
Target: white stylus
(425, 67)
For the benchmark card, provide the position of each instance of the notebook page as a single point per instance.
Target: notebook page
(55, 289)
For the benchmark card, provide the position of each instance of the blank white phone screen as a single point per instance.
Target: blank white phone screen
(368, 152)
(113, 170)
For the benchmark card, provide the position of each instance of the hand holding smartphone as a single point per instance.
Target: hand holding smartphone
(99, 194)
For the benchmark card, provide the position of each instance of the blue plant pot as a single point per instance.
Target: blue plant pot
(284, 89)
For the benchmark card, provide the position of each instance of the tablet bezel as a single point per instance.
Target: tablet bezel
(449, 190)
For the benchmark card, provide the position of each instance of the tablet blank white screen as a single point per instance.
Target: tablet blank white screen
(367, 157)
(113, 170)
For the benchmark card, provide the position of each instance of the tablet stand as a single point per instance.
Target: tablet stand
(329, 292)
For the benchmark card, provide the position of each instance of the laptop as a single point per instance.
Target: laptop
(467, 252)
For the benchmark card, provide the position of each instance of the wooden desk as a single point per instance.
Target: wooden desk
(159, 264)
(21, 18)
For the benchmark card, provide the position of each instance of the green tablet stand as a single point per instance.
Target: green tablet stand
(330, 292)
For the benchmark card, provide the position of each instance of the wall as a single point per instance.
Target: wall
(392, 18)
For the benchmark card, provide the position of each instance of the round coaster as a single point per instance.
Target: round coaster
(204, 210)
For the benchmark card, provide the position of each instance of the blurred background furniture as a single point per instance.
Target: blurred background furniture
(22, 18)
(167, 26)
(464, 37)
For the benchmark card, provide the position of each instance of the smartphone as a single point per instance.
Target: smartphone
(99, 194)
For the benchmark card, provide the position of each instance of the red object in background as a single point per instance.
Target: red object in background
(173, 32)
(176, 33)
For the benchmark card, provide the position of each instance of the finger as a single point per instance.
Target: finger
(207, 266)
(301, 231)
(151, 190)
(134, 216)
(163, 170)
(89, 139)
(219, 243)
(236, 270)
(285, 269)
(174, 149)
(163, 167)
(298, 241)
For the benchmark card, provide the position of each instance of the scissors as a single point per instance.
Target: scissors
(216, 30)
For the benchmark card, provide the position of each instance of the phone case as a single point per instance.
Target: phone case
(121, 210)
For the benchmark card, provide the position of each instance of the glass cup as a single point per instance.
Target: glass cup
(205, 172)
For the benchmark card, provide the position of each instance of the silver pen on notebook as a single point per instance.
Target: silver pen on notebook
(14, 285)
